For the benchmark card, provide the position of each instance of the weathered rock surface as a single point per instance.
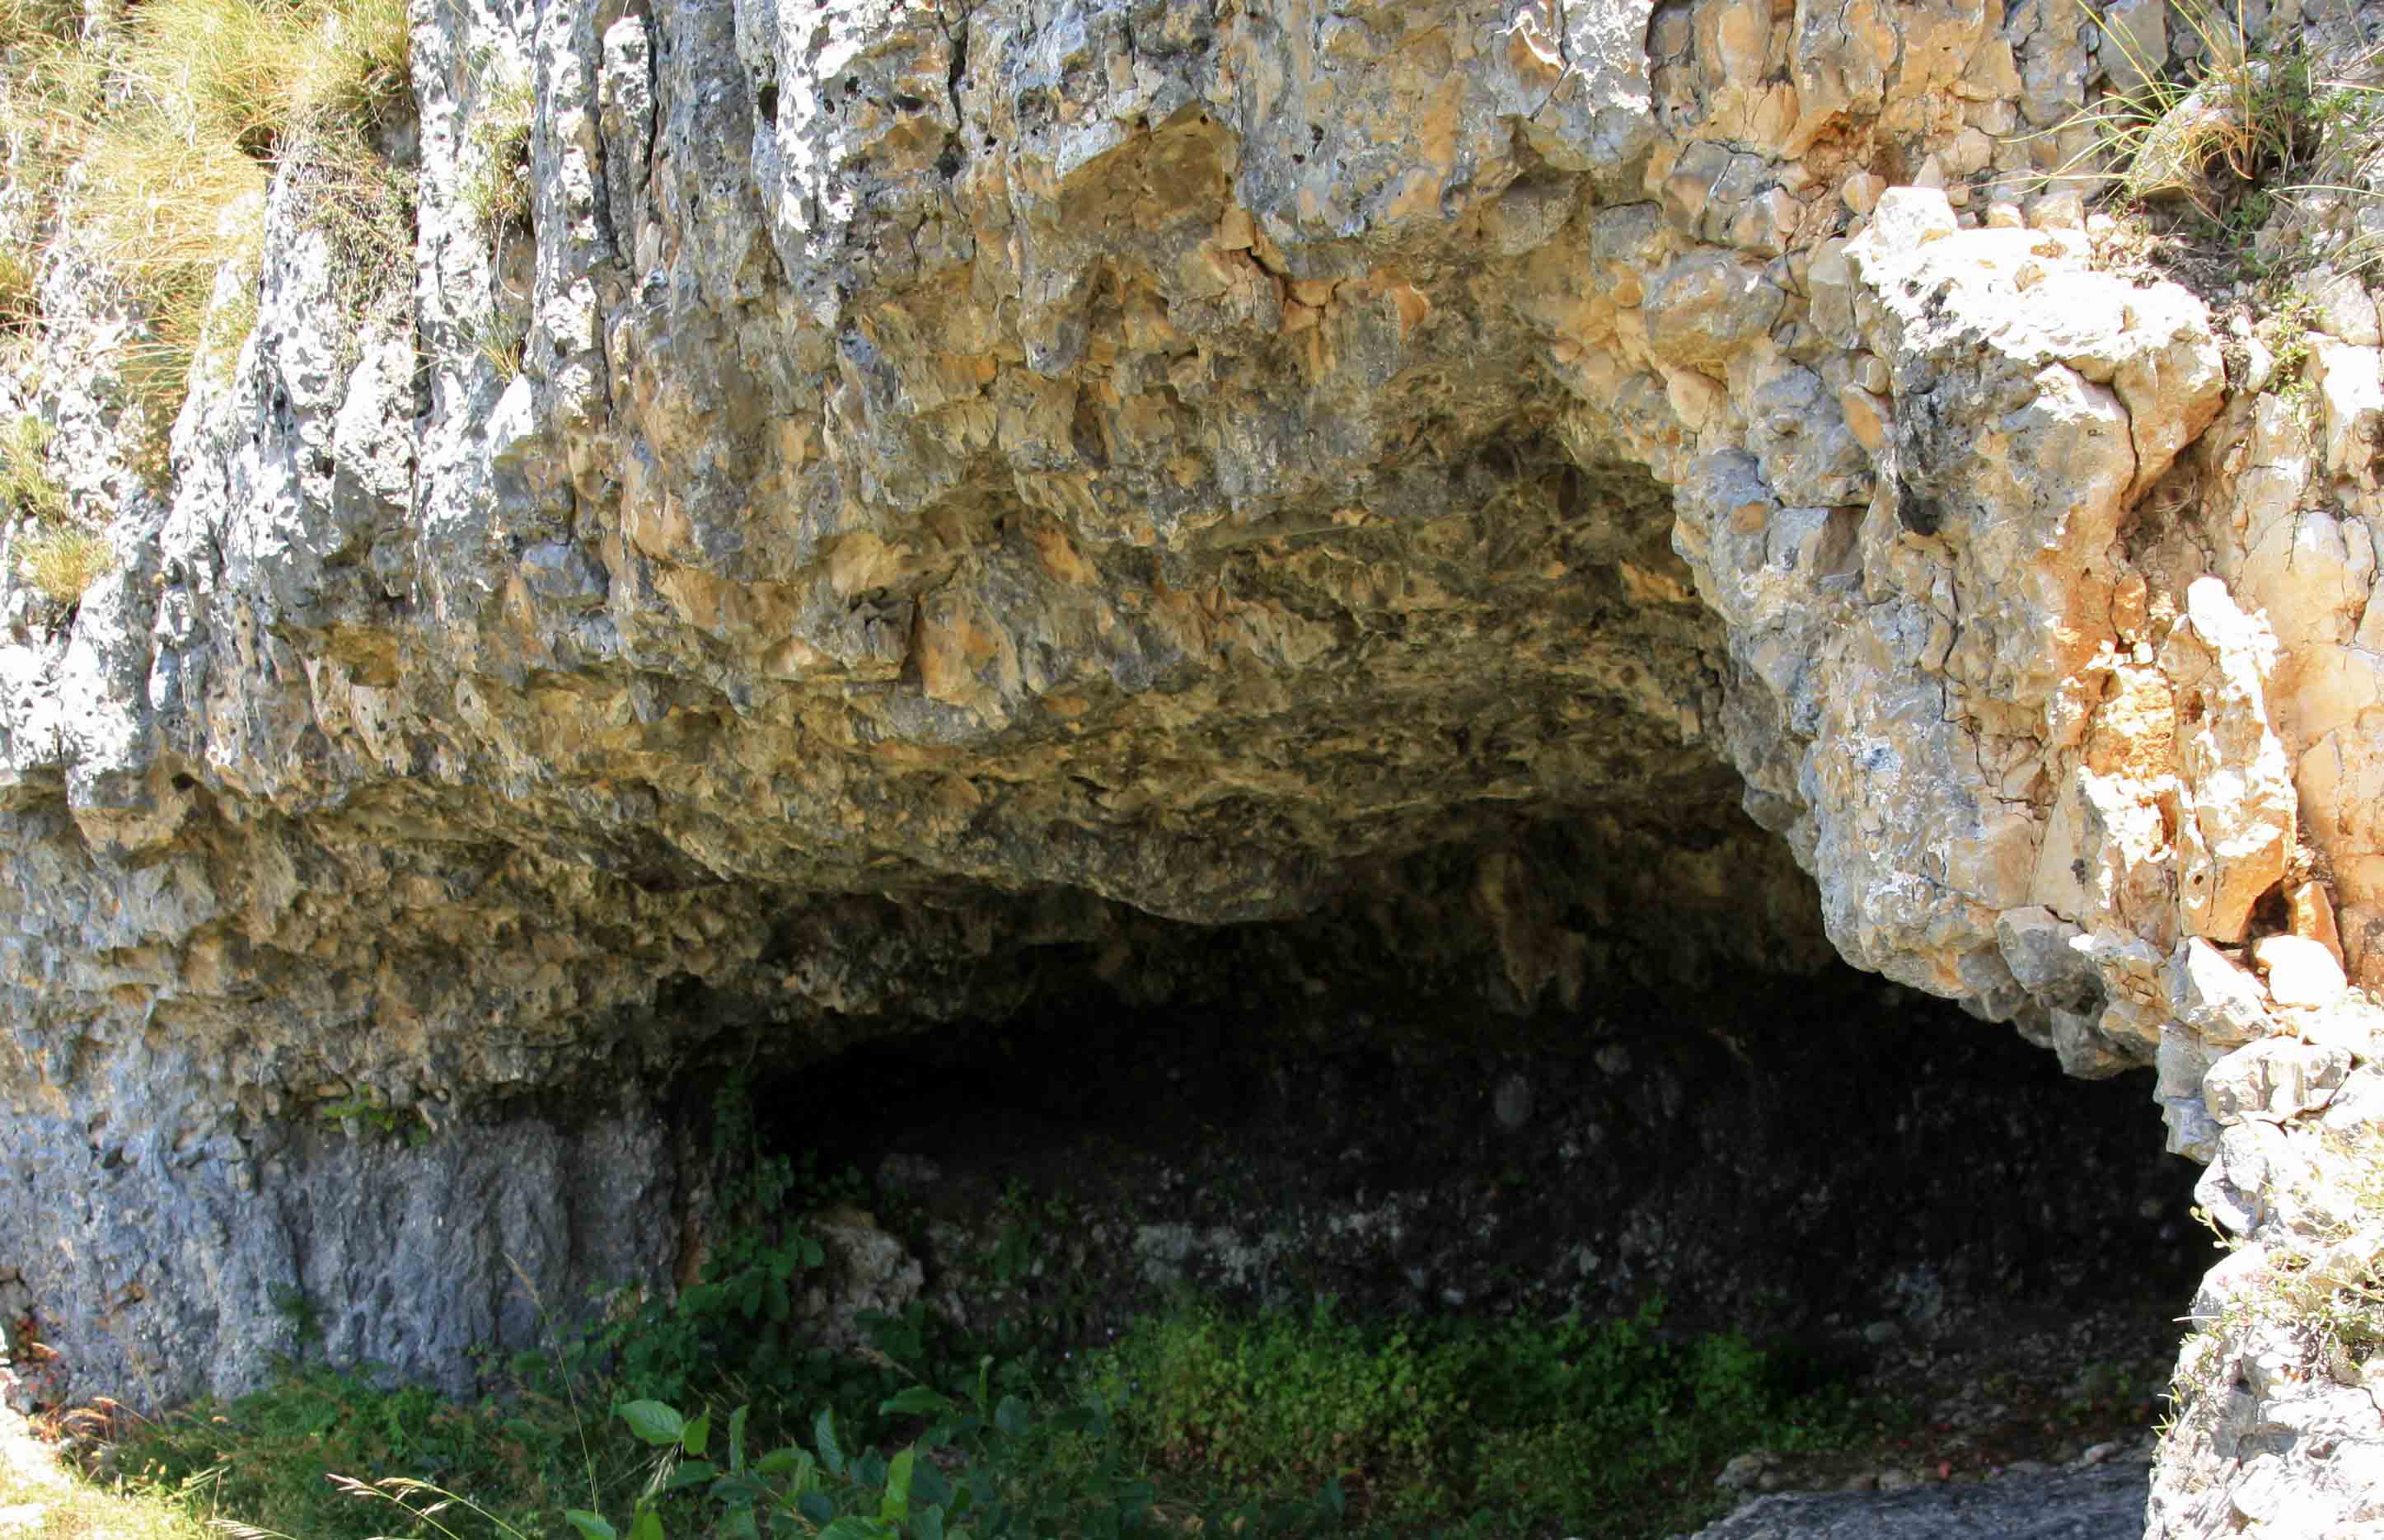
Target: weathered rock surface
(2101, 1502)
(985, 477)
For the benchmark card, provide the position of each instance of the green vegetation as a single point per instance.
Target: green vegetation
(2285, 331)
(1612, 1425)
(25, 479)
(63, 563)
(363, 1113)
(714, 1414)
(503, 337)
(1272, 1424)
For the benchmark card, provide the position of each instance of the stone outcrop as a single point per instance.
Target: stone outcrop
(2098, 1502)
(984, 477)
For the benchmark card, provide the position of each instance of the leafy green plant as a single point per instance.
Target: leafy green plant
(986, 1468)
(288, 1459)
(1617, 1426)
(742, 1318)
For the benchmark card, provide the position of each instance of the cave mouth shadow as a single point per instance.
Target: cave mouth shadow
(1814, 1158)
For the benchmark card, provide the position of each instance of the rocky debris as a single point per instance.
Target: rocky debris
(1273, 1159)
(866, 1269)
(2098, 1502)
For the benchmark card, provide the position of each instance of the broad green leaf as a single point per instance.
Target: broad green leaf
(895, 1507)
(737, 1440)
(656, 1423)
(692, 1472)
(778, 1462)
(929, 1524)
(869, 1469)
(697, 1433)
(592, 1526)
(916, 1400)
(816, 1507)
(739, 1525)
(851, 1527)
(649, 1525)
(738, 1491)
(928, 1485)
(1011, 1417)
(824, 1434)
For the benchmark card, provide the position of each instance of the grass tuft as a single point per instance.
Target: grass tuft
(58, 555)
(497, 189)
(26, 22)
(25, 479)
(64, 560)
(2250, 128)
(181, 126)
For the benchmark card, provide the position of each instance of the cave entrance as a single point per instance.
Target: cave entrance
(1821, 1159)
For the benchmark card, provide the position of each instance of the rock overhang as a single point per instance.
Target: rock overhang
(994, 479)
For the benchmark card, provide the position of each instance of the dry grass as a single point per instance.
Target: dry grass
(181, 126)
(45, 1502)
(33, 22)
(2252, 124)
(25, 479)
(64, 560)
(21, 299)
(503, 337)
(60, 556)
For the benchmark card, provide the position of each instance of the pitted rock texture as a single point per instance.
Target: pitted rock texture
(991, 476)
(2102, 1502)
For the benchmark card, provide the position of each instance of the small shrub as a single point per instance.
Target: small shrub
(58, 556)
(983, 1466)
(2252, 122)
(1616, 1425)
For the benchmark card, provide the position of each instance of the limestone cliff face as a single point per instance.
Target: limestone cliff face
(982, 476)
